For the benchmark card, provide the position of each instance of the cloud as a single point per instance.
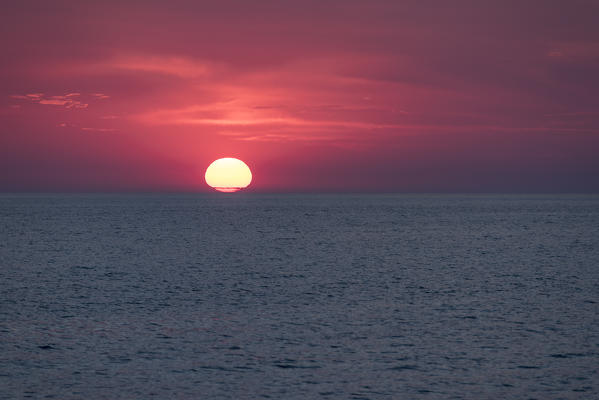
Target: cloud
(85, 128)
(259, 123)
(68, 100)
(178, 66)
(271, 137)
(581, 50)
(54, 102)
(288, 121)
(98, 129)
(100, 96)
(175, 66)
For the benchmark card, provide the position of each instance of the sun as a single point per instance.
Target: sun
(228, 175)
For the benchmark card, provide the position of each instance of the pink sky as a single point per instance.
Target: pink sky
(410, 96)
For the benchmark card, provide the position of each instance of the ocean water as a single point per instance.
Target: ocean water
(299, 297)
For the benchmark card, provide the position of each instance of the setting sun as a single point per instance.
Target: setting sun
(228, 175)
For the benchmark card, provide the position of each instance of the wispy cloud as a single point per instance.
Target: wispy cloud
(98, 129)
(573, 114)
(181, 67)
(68, 101)
(284, 121)
(85, 128)
(581, 50)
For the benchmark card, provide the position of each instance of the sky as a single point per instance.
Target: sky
(349, 96)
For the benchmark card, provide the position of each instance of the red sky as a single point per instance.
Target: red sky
(409, 96)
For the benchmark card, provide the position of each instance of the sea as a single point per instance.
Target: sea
(299, 296)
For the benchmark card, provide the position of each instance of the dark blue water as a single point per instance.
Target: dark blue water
(294, 297)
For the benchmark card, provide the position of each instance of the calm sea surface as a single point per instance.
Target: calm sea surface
(299, 297)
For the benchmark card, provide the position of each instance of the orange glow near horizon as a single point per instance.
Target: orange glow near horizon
(228, 175)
